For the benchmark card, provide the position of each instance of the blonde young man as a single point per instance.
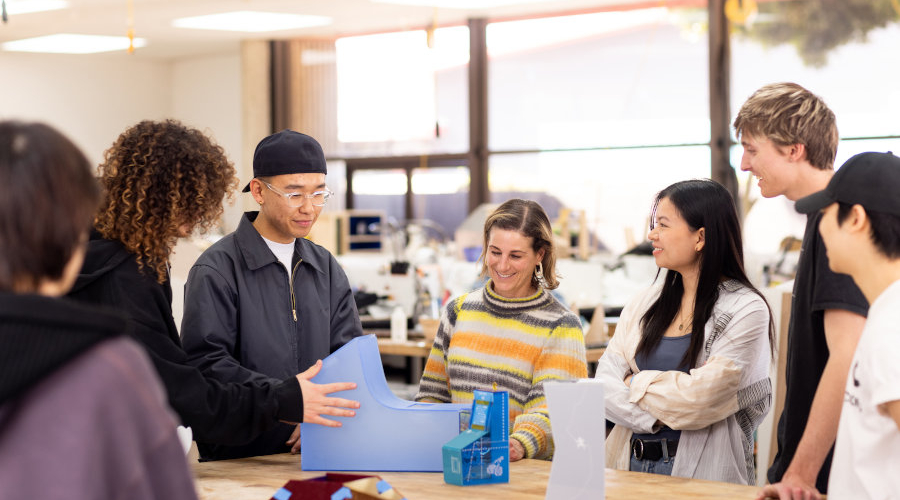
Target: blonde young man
(790, 140)
(861, 229)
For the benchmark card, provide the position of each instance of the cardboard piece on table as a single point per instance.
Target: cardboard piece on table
(369, 488)
(480, 454)
(387, 433)
(338, 487)
(578, 415)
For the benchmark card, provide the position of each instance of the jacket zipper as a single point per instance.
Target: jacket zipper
(291, 282)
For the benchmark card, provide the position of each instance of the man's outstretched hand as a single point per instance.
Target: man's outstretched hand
(316, 400)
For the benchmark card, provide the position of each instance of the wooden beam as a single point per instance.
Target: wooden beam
(719, 99)
(478, 114)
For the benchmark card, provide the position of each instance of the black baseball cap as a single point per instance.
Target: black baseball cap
(868, 179)
(287, 152)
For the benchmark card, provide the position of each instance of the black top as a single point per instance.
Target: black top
(816, 289)
(249, 319)
(39, 335)
(231, 413)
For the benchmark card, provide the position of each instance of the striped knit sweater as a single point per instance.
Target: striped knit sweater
(516, 343)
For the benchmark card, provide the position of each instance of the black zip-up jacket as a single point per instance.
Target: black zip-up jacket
(225, 413)
(248, 318)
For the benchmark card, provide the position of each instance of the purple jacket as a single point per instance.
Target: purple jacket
(82, 413)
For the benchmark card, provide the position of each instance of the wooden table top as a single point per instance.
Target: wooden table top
(258, 478)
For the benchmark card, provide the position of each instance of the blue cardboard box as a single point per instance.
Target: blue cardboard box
(480, 454)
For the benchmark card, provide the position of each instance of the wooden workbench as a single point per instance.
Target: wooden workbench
(258, 478)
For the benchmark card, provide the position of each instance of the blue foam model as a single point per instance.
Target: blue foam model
(387, 433)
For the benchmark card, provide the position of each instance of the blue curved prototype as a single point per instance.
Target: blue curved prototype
(387, 433)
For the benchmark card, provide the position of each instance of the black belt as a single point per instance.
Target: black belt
(643, 449)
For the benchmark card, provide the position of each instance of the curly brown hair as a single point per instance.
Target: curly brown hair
(159, 177)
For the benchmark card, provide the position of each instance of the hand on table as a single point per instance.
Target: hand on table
(516, 450)
(294, 440)
(791, 487)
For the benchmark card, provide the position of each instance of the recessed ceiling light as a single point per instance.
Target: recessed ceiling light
(68, 43)
(460, 4)
(251, 21)
(16, 7)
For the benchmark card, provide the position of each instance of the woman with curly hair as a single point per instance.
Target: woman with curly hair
(162, 181)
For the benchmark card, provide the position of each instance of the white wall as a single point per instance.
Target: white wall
(206, 94)
(93, 98)
(90, 98)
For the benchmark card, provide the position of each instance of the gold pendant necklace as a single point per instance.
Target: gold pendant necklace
(682, 323)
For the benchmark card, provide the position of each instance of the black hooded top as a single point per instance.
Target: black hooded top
(233, 413)
(39, 335)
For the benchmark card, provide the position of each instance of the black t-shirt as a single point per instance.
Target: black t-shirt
(816, 289)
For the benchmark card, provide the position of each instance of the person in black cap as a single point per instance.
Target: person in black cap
(861, 229)
(183, 177)
(790, 140)
(264, 302)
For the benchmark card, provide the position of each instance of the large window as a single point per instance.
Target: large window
(440, 196)
(599, 80)
(399, 96)
(431, 193)
(615, 187)
(383, 190)
(596, 113)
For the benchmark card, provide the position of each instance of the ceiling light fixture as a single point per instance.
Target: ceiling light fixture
(251, 21)
(460, 4)
(69, 43)
(16, 7)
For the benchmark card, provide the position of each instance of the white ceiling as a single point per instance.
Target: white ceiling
(153, 18)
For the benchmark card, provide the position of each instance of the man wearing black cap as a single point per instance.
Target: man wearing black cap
(264, 302)
(861, 229)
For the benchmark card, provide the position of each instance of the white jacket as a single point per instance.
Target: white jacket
(717, 407)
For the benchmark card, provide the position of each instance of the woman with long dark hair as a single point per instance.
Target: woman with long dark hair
(686, 374)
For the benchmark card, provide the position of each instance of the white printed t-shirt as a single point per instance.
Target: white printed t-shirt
(867, 453)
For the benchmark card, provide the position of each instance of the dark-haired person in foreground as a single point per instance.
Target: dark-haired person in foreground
(686, 376)
(163, 180)
(861, 229)
(82, 413)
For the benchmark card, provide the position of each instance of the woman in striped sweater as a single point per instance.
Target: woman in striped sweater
(511, 332)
